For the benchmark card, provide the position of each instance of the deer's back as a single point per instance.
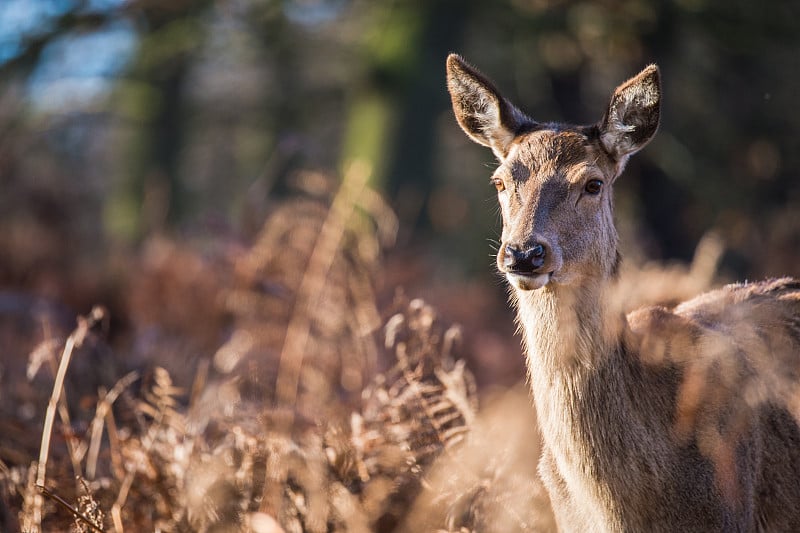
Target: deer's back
(738, 351)
(750, 330)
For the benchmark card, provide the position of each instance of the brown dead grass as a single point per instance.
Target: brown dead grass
(263, 388)
(254, 400)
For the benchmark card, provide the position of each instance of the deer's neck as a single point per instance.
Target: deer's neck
(571, 335)
(587, 390)
(569, 330)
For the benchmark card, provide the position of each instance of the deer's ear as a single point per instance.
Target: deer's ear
(633, 114)
(481, 111)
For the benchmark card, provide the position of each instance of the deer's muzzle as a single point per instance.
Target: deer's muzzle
(526, 268)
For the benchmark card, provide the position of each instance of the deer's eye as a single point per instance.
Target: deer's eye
(499, 184)
(593, 187)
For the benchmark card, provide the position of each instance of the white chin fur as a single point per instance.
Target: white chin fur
(528, 283)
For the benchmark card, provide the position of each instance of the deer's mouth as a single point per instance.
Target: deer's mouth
(528, 282)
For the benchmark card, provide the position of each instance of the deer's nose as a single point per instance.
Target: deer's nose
(529, 259)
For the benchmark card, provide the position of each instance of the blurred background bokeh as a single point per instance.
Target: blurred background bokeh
(179, 163)
(121, 121)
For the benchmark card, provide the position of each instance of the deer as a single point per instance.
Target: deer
(660, 419)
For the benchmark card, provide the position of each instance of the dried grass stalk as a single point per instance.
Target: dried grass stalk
(314, 277)
(74, 341)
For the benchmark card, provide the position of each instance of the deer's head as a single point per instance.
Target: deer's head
(554, 180)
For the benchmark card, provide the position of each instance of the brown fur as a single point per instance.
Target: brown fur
(679, 419)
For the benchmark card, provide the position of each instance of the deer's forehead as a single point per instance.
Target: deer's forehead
(548, 155)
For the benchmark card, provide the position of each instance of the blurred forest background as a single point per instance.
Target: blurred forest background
(124, 120)
(143, 144)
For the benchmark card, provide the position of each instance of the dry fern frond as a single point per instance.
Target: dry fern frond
(490, 482)
(302, 343)
(421, 407)
(304, 300)
(427, 389)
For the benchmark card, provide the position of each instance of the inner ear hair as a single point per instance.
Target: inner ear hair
(482, 112)
(633, 114)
